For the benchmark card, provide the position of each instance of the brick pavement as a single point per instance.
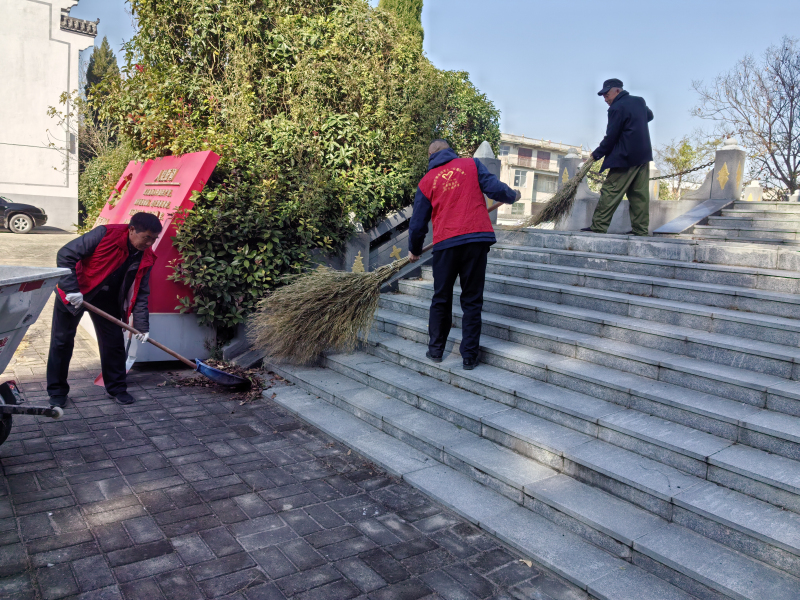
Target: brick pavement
(187, 494)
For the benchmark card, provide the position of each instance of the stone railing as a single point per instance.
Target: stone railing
(79, 25)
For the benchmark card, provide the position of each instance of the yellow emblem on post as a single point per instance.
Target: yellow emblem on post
(739, 176)
(565, 176)
(723, 176)
(395, 252)
(358, 263)
(749, 197)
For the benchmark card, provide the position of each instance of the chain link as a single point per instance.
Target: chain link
(598, 179)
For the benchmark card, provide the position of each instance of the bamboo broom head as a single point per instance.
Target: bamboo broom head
(559, 205)
(320, 310)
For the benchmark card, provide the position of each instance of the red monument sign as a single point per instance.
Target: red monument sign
(163, 186)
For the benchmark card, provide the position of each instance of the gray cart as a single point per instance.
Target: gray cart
(23, 293)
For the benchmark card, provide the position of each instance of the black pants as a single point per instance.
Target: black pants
(468, 263)
(62, 342)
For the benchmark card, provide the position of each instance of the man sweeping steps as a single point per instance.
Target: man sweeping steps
(627, 151)
(452, 195)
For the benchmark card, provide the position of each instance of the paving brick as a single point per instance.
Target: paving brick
(147, 568)
(241, 581)
(144, 588)
(143, 530)
(13, 559)
(179, 585)
(190, 526)
(357, 571)
(413, 547)
(489, 561)
(192, 549)
(221, 542)
(222, 566)
(56, 582)
(111, 592)
(323, 515)
(59, 541)
(66, 554)
(512, 574)
(92, 573)
(471, 580)
(338, 590)
(411, 589)
(139, 553)
(228, 511)
(267, 591)
(18, 587)
(331, 536)
(447, 587)
(385, 566)
(300, 521)
(306, 580)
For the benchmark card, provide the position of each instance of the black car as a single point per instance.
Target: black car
(21, 218)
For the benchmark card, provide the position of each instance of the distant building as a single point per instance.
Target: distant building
(40, 45)
(530, 166)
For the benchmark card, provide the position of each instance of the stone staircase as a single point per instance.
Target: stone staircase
(759, 222)
(634, 425)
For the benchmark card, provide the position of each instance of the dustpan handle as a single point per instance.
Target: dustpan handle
(124, 325)
(492, 208)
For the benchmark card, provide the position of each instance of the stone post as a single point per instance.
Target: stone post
(486, 156)
(753, 192)
(568, 166)
(795, 197)
(726, 184)
(654, 172)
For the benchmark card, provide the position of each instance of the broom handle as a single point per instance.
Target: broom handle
(124, 325)
(492, 208)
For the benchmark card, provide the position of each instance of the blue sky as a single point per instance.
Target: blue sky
(542, 62)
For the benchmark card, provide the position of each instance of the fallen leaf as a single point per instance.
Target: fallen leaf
(528, 563)
(348, 452)
(161, 384)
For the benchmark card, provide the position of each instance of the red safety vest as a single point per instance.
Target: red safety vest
(109, 255)
(458, 203)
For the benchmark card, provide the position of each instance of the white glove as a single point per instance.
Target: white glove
(75, 299)
(142, 337)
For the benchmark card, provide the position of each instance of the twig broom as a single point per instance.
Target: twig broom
(321, 310)
(559, 205)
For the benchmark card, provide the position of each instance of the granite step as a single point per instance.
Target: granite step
(763, 429)
(610, 523)
(753, 326)
(788, 207)
(757, 222)
(708, 294)
(743, 231)
(694, 452)
(754, 355)
(547, 544)
(683, 250)
(743, 385)
(749, 241)
(776, 280)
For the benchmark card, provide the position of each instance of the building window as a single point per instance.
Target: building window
(518, 208)
(520, 177)
(542, 160)
(504, 150)
(544, 183)
(524, 157)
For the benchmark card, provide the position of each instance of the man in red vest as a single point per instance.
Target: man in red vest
(110, 267)
(452, 195)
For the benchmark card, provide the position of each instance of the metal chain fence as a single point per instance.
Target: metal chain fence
(598, 179)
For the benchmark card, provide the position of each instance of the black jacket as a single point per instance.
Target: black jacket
(74, 251)
(627, 141)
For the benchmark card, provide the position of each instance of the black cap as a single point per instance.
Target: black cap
(608, 84)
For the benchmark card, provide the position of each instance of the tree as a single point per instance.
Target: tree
(409, 13)
(102, 65)
(679, 156)
(759, 102)
(318, 109)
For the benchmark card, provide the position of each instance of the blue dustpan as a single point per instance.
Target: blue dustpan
(221, 377)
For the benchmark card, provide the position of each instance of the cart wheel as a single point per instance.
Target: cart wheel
(5, 421)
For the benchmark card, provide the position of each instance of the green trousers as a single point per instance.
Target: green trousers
(633, 182)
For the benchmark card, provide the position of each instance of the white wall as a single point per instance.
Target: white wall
(40, 62)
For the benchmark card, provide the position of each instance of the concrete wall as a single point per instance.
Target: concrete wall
(40, 62)
(661, 212)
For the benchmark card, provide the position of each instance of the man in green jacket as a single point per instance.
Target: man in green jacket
(627, 153)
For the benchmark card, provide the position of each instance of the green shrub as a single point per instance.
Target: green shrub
(97, 182)
(321, 112)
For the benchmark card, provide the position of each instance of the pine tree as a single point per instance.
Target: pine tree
(409, 12)
(102, 64)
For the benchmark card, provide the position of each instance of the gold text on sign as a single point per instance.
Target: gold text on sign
(157, 213)
(165, 177)
(153, 203)
(156, 192)
(100, 221)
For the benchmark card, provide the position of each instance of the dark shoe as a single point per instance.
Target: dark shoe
(124, 398)
(436, 359)
(470, 363)
(630, 232)
(60, 401)
(589, 229)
